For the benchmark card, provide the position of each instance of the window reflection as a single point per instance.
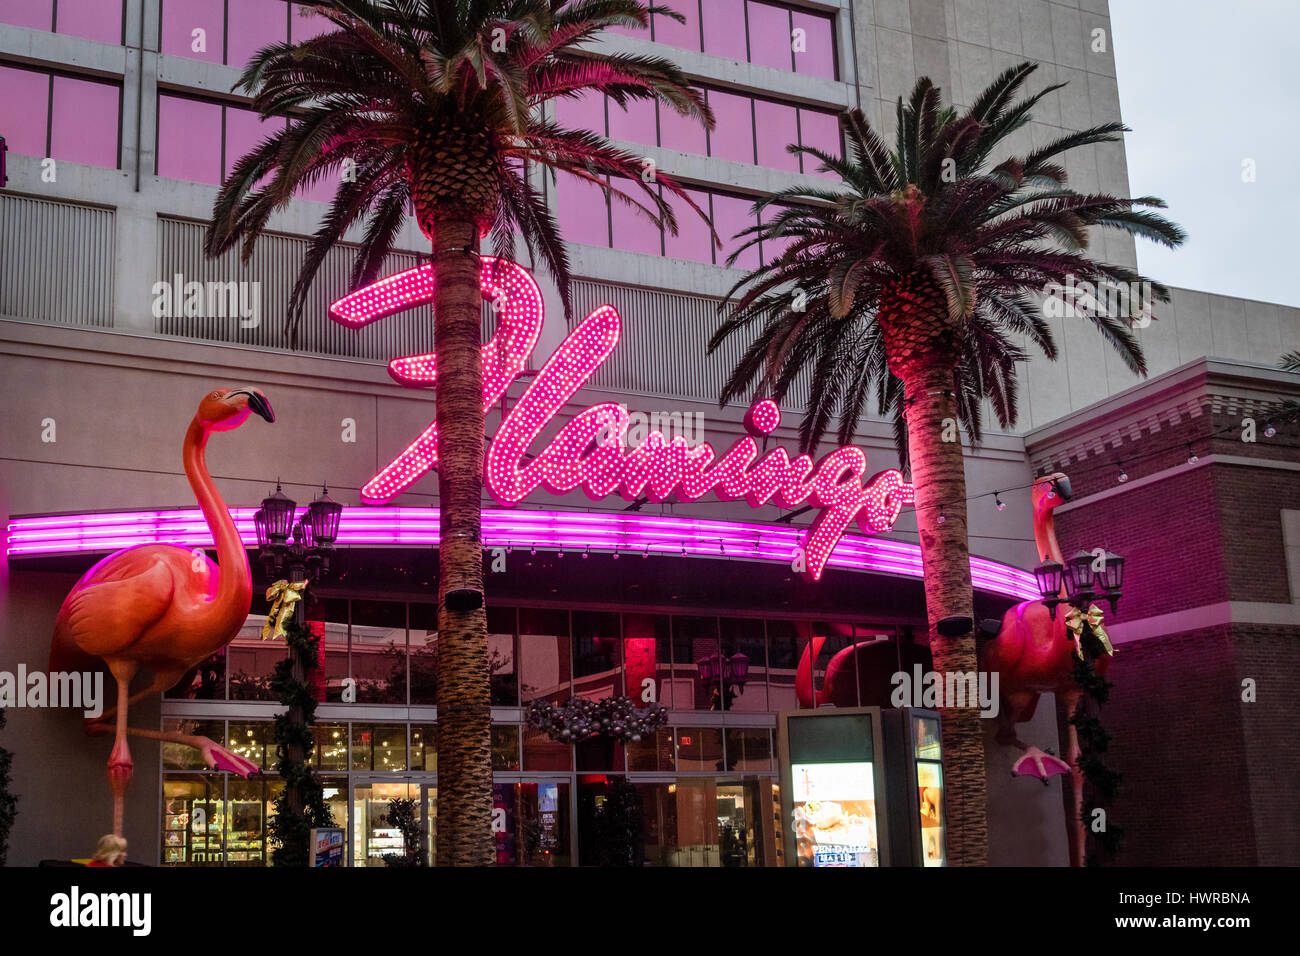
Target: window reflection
(379, 652)
(596, 664)
(424, 654)
(742, 665)
(505, 747)
(699, 749)
(786, 642)
(695, 643)
(178, 756)
(253, 741)
(379, 747)
(647, 659)
(193, 824)
(501, 656)
(331, 751)
(544, 666)
(424, 747)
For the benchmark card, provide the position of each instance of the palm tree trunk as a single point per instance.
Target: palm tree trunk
(938, 472)
(464, 707)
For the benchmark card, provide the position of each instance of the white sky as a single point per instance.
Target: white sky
(1205, 84)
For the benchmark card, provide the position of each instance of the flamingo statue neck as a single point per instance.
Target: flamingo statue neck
(1045, 531)
(234, 588)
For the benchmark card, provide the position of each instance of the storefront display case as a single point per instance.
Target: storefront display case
(833, 777)
(914, 752)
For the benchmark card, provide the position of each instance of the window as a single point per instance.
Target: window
(69, 119)
(770, 39)
(731, 216)
(379, 652)
(544, 663)
(582, 210)
(634, 231)
(251, 25)
(596, 661)
(98, 20)
(814, 49)
(195, 29)
(585, 111)
(722, 23)
(694, 241)
(33, 14)
(634, 122)
(820, 131)
(24, 110)
(304, 23)
(244, 132)
(685, 35)
(733, 133)
(777, 126)
(189, 139)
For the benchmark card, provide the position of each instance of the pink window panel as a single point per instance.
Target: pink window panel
(98, 20)
(769, 35)
(253, 24)
(731, 215)
(33, 14)
(777, 128)
(585, 111)
(682, 132)
(733, 136)
(189, 140)
(581, 210)
(84, 125)
(724, 33)
(323, 190)
(693, 241)
(818, 56)
(244, 131)
(773, 248)
(180, 18)
(304, 24)
(632, 31)
(684, 35)
(24, 110)
(633, 230)
(821, 131)
(635, 124)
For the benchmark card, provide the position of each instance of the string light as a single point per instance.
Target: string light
(1269, 430)
(941, 519)
(1192, 457)
(998, 502)
(1123, 475)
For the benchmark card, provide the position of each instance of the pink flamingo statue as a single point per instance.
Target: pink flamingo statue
(162, 607)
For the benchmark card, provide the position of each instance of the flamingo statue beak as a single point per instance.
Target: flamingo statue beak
(257, 402)
(1062, 486)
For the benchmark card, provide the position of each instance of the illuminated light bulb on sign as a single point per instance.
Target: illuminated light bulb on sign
(589, 451)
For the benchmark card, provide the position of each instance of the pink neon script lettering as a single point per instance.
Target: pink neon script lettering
(589, 451)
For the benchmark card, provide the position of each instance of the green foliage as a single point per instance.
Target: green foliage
(405, 816)
(945, 210)
(8, 802)
(291, 832)
(400, 95)
(616, 827)
(1101, 781)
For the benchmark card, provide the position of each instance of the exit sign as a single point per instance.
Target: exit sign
(685, 741)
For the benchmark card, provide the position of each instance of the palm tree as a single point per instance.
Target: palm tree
(910, 280)
(438, 104)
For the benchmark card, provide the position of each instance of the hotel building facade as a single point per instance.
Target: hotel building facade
(120, 124)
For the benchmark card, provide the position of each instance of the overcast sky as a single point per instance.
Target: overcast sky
(1205, 85)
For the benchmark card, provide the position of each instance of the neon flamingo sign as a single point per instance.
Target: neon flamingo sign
(590, 450)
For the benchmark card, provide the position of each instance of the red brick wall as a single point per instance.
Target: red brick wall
(1176, 723)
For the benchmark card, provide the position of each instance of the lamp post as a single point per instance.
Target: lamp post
(1083, 581)
(303, 549)
(730, 671)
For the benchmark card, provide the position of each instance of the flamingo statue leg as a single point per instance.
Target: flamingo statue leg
(120, 767)
(1019, 708)
(215, 756)
(1078, 830)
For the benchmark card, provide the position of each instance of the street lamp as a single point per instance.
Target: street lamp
(724, 672)
(1082, 582)
(304, 546)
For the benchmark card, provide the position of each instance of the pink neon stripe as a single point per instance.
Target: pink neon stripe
(546, 530)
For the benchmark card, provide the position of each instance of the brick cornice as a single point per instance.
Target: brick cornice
(1207, 615)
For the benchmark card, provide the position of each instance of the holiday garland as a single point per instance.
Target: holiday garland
(1102, 781)
(581, 719)
(8, 802)
(290, 830)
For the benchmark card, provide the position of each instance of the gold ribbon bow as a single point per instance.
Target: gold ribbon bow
(283, 596)
(1075, 621)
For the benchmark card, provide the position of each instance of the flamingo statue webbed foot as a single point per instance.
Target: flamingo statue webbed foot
(162, 607)
(1038, 763)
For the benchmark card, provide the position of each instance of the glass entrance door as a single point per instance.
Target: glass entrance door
(531, 823)
(376, 836)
